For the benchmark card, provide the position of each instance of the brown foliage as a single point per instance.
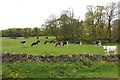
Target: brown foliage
(12, 37)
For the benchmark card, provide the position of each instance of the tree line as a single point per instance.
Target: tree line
(101, 23)
(21, 32)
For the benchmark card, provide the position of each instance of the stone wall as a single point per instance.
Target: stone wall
(12, 57)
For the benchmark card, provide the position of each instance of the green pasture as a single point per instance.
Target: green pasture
(14, 45)
(98, 69)
(21, 69)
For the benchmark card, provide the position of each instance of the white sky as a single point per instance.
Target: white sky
(33, 13)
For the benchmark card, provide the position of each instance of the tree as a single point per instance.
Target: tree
(26, 32)
(110, 13)
(66, 23)
(90, 22)
(95, 23)
(119, 9)
(115, 30)
(35, 31)
(52, 26)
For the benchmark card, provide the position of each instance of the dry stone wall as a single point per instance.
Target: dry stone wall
(12, 57)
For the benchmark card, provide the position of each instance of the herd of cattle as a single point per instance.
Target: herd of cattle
(107, 49)
(57, 43)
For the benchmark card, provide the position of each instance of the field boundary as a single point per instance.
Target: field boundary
(14, 56)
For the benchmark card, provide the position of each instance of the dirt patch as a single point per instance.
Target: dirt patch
(25, 47)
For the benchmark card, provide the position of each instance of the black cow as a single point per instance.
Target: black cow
(46, 37)
(52, 41)
(65, 43)
(23, 42)
(97, 43)
(37, 37)
(35, 43)
(46, 42)
(79, 43)
(38, 41)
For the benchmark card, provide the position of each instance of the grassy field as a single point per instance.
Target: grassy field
(98, 69)
(14, 45)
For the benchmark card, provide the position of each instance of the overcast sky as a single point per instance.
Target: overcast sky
(33, 13)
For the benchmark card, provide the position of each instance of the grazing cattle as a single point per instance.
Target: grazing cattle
(65, 43)
(79, 43)
(58, 43)
(37, 37)
(38, 41)
(46, 42)
(52, 41)
(97, 43)
(46, 37)
(35, 43)
(108, 49)
(23, 42)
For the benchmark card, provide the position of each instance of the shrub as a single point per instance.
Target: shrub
(87, 62)
(26, 37)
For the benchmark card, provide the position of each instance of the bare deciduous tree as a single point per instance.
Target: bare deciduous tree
(110, 14)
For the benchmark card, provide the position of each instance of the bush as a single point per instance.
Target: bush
(87, 62)
(26, 37)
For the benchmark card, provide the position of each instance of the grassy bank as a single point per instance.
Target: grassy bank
(97, 69)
